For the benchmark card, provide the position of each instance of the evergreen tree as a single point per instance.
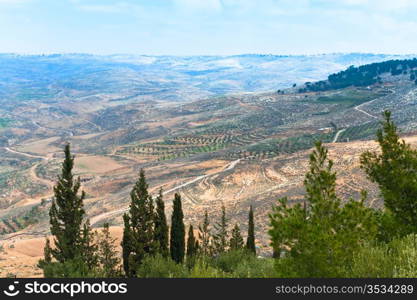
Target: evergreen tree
(236, 240)
(321, 236)
(250, 242)
(74, 249)
(394, 169)
(107, 253)
(177, 242)
(139, 228)
(221, 236)
(204, 235)
(161, 226)
(47, 253)
(126, 244)
(192, 243)
(66, 213)
(89, 247)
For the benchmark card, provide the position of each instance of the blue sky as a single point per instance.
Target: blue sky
(197, 27)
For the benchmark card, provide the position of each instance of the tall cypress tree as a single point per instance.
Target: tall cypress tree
(126, 244)
(161, 226)
(66, 213)
(221, 236)
(139, 229)
(250, 242)
(236, 241)
(192, 243)
(177, 242)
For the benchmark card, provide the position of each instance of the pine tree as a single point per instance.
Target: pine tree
(107, 253)
(139, 229)
(204, 236)
(236, 240)
(221, 236)
(250, 242)
(320, 236)
(177, 242)
(394, 169)
(89, 247)
(161, 226)
(66, 213)
(192, 243)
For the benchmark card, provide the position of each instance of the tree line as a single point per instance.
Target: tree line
(78, 251)
(320, 236)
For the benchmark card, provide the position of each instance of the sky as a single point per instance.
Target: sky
(208, 27)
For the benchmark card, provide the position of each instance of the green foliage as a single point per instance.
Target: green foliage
(320, 236)
(236, 240)
(250, 241)
(397, 258)
(138, 238)
(220, 238)
(177, 241)
(192, 247)
(108, 258)
(73, 268)
(203, 269)
(161, 226)
(361, 76)
(66, 213)
(204, 236)
(395, 172)
(161, 267)
(74, 249)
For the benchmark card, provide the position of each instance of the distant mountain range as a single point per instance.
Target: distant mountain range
(26, 77)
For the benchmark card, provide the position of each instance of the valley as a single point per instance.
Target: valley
(236, 147)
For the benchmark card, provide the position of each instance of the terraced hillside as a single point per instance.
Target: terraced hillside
(237, 149)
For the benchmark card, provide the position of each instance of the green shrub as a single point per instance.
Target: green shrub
(372, 262)
(404, 252)
(203, 269)
(255, 268)
(160, 267)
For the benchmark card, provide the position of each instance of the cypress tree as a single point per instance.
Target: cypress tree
(161, 226)
(204, 235)
(192, 243)
(74, 252)
(177, 242)
(139, 228)
(221, 236)
(250, 242)
(236, 241)
(126, 244)
(66, 213)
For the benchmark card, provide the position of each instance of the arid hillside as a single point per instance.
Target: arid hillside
(246, 182)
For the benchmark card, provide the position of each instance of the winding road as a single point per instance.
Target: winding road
(337, 135)
(108, 214)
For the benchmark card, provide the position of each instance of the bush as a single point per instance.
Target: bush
(372, 262)
(161, 267)
(203, 269)
(256, 268)
(75, 268)
(404, 252)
